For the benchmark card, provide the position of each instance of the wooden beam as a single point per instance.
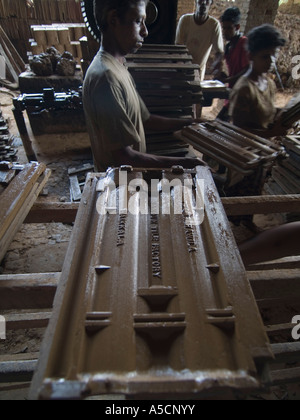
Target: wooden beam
(28, 291)
(277, 329)
(281, 264)
(52, 212)
(285, 376)
(234, 206)
(275, 287)
(24, 321)
(238, 206)
(286, 352)
(21, 371)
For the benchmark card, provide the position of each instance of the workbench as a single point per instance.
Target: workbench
(31, 83)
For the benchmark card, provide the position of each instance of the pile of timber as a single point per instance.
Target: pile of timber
(166, 79)
(169, 84)
(286, 174)
(64, 37)
(14, 65)
(231, 146)
(7, 151)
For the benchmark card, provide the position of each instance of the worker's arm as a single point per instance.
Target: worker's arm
(129, 156)
(273, 244)
(233, 79)
(217, 65)
(158, 123)
(277, 129)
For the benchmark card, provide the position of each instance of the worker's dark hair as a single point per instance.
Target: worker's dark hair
(103, 7)
(264, 37)
(232, 15)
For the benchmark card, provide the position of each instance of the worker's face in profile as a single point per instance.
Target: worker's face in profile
(230, 30)
(264, 60)
(203, 6)
(130, 30)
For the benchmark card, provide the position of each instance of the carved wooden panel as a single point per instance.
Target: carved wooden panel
(152, 305)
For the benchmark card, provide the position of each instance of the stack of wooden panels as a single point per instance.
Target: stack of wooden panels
(7, 151)
(64, 37)
(168, 82)
(286, 174)
(231, 146)
(166, 79)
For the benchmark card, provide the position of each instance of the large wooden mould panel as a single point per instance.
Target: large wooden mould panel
(152, 305)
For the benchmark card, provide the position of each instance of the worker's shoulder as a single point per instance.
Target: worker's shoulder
(101, 72)
(187, 18)
(212, 21)
(242, 87)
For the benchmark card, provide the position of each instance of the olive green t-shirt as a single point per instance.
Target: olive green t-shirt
(114, 111)
(251, 107)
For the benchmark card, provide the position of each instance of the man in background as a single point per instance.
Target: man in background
(201, 33)
(236, 53)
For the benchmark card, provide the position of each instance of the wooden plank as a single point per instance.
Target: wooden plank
(18, 61)
(75, 188)
(11, 70)
(281, 264)
(272, 330)
(275, 284)
(180, 67)
(17, 200)
(285, 376)
(238, 206)
(286, 352)
(28, 291)
(23, 321)
(13, 197)
(21, 371)
(18, 357)
(138, 58)
(52, 212)
(6, 177)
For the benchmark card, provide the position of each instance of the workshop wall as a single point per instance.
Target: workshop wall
(17, 16)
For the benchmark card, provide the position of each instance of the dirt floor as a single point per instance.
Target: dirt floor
(41, 248)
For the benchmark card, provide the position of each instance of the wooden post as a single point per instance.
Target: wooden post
(19, 117)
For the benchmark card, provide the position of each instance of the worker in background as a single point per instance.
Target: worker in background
(201, 33)
(252, 101)
(252, 106)
(116, 115)
(236, 54)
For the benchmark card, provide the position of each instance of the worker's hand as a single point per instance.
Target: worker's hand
(197, 121)
(278, 129)
(222, 77)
